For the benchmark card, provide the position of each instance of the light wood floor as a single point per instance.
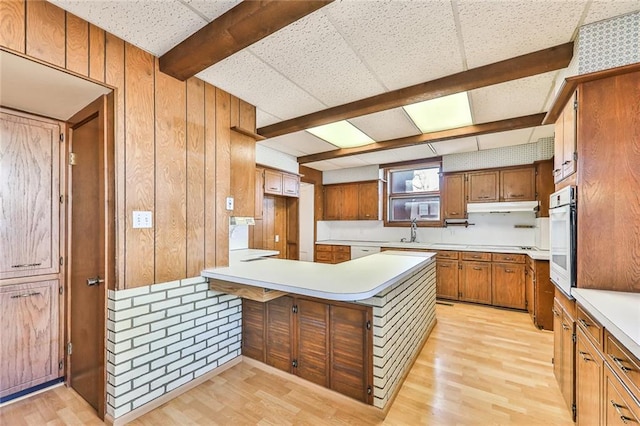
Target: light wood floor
(480, 366)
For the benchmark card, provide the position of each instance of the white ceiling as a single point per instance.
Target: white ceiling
(349, 50)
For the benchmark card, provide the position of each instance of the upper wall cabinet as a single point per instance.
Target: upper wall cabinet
(30, 188)
(243, 163)
(281, 183)
(454, 203)
(565, 141)
(518, 184)
(353, 201)
(483, 186)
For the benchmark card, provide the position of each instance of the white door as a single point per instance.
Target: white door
(306, 222)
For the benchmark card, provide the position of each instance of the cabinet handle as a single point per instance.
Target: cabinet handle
(25, 265)
(556, 171)
(509, 271)
(445, 266)
(475, 256)
(508, 258)
(565, 326)
(555, 313)
(19, 296)
(272, 188)
(453, 213)
(584, 356)
(566, 162)
(618, 407)
(484, 197)
(477, 268)
(516, 195)
(584, 323)
(619, 363)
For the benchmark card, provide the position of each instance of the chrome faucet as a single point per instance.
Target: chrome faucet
(414, 229)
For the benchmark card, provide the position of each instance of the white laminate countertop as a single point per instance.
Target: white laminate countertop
(533, 253)
(247, 255)
(617, 311)
(354, 280)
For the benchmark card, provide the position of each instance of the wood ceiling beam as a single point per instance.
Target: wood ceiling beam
(231, 32)
(461, 132)
(523, 66)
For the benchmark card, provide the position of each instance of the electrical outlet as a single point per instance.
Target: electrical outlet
(277, 238)
(230, 203)
(142, 219)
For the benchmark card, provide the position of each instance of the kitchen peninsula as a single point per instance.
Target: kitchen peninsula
(354, 327)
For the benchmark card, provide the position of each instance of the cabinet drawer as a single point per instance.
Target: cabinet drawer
(342, 249)
(476, 256)
(590, 326)
(323, 247)
(324, 256)
(454, 255)
(624, 363)
(341, 257)
(621, 408)
(506, 257)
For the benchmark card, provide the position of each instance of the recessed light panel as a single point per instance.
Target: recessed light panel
(447, 112)
(341, 134)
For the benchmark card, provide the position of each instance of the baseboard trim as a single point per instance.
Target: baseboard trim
(152, 405)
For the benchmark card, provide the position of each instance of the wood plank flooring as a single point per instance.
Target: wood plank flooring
(480, 366)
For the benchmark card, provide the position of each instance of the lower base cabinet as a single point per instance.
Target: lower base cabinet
(621, 408)
(589, 374)
(564, 347)
(539, 293)
(475, 282)
(30, 350)
(325, 342)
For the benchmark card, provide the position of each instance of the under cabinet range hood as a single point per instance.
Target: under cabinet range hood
(503, 207)
(240, 220)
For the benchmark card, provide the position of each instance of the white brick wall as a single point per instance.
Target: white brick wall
(162, 336)
(402, 314)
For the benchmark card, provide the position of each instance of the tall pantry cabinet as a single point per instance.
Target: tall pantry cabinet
(30, 271)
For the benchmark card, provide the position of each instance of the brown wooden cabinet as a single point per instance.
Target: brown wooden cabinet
(325, 342)
(30, 350)
(453, 194)
(544, 186)
(475, 281)
(483, 186)
(353, 201)
(518, 184)
(507, 285)
(447, 276)
(259, 193)
(281, 183)
(589, 376)
(539, 293)
(243, 163)
(564, 354)
(326, 253)
(564, 164)
(621, 408)
(290, 185)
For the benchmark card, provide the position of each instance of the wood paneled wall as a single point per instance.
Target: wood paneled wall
(172, 142)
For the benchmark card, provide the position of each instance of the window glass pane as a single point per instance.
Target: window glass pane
(423, 208)
(420, 180)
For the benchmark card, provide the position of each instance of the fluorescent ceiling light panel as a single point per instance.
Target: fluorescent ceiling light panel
(447, 112)
(341, 134)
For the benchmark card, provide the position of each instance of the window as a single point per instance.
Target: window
(414, 193)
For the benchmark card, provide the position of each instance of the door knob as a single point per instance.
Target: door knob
(94, 281)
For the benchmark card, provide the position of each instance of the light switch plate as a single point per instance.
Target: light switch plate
(142, 219)
(229, 203)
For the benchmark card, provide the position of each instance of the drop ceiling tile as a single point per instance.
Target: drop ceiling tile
(154, 26)
(494, 30)
(212, 9)
(600, 10)
(502, 139)
(403, 42)
(298, 143)
(386, 125)
(410, 153)
(511, 99)
(249, 78)
(455, 146)
(348, 162)
(542, 132)
(324, 165)
(264, 118)
(313, 55)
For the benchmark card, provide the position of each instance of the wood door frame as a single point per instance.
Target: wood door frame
(103, 105)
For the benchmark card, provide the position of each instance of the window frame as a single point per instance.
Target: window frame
(388, 196)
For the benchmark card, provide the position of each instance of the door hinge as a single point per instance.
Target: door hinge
(294, 363)
(69, 348)
(575, 105)
(60, 365)
(62, 199)
(294, 309)
(369, 390)
(72, 159)
(368, 325)
(61, 261)
(553, 360)
(573, 410)
(61, 137)
(573, 337)
(61, 290)
(575, 156)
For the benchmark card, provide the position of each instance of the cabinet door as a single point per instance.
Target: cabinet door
(312, 341)
(475, 282)
(349, 208)
(508, 285)
(544, 186)
(569, 138)
(30, 188)
(518, 184)
(447, 279)
(290, 185)
(454, 197)
(272, 182)
(558, 148)
(568, 359)
(279, 333)
(557, 341)
(259, 193)
(253, 323)
(30, 336)
(369, 201)
(589, 365)
(620, 407)
(243, 162)
(350, 354)
(483, 186)
(332, 202)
